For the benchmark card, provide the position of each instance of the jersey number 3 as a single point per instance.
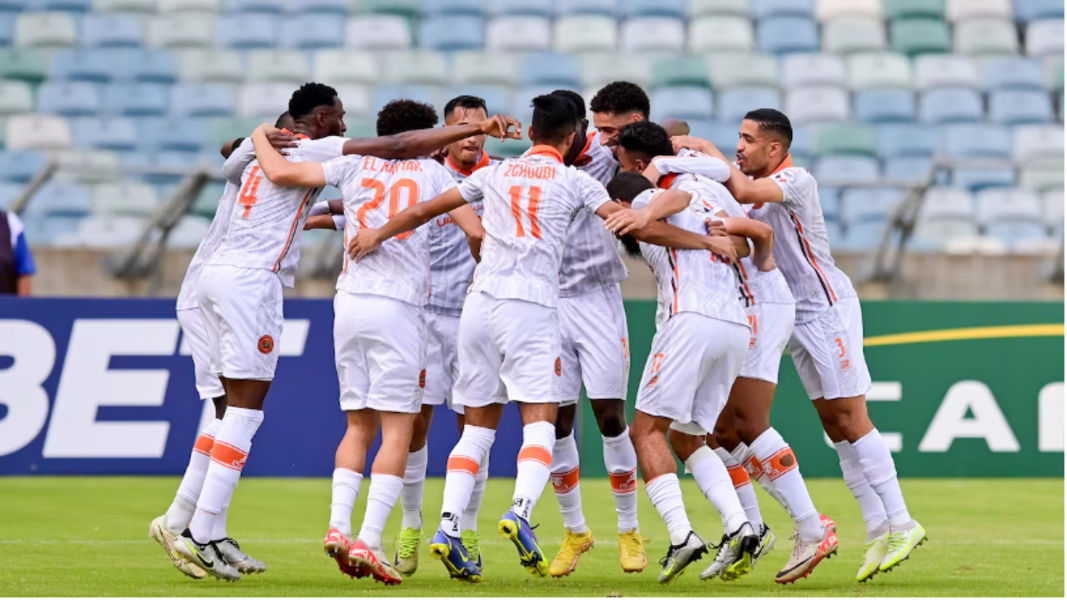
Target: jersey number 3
(531, 211)
(394, 200)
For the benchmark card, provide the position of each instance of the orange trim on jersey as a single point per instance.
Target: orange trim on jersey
(786, 164)
(583, 157)
(677, 279)
(345, 246)
(624, 483)
(204, 443)
(536, 453)
(482, 162)
(544, 150)
(806, 246)
(744, 278)
(565, 482)
(667, 181)
(228, 456)
(292, 231)
(780, 463)
(738, 476)
(463, 464)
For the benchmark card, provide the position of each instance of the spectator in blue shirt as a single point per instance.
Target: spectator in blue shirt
(16, 261)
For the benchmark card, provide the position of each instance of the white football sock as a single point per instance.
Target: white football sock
(218, 531)
(411, 495)
(181, 510)
(381, 498)
(881, 474)
(666, 496)
(621, 462)
(742, 487)
(346, 484)
(780, 464)
(715, 483)
(474, 506)
(535, 460)
(565, 483)
(874, 516)
(463, 467)
(755, 471)
(232, 445)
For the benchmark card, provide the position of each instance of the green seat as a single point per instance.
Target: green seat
(1054, 73)
(30, 66)
(681, 70)
(743, 70)
(418, 66)
(846, 35)
(211, 65)
(361, 128)
(920, 36)
(848, 138)
(407, 8)
(700, 8)
(1041, 179)
(15, 97)
(986, 37)
(125, 198)
(906, 9)
(224, 130)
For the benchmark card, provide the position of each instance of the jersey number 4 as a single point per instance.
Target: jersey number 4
(531, 211)
(394, 200)
(250, 192)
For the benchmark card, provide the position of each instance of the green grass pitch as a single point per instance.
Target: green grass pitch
(87, 536)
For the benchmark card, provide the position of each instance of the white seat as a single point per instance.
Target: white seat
(817, 105)
(127, 6)
(378, 32)
(1045, 38)
(721, 34)
(959, 10)
(951, 70)
(195, 6)
(45, 30)
(15, 97)
(1038, 144)
(832, 9)
(281, 66)
(947, 203)
(346, 66)
(699, 8)
(653, 34)
(879, 70)
(599, 69)
(484, 68)
(1002, 204)
(585, 33)
(263, 99)
(183, 30)
(1052, 207)
(189, 232)
(38, 132)
(800, 70)
(425, 67)
(211, 66)
(357, 99)
(520, 33)
(106, 231)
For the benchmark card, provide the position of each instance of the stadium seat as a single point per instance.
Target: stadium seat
(484, 68)
(879, 70)
(869, 205)
(826, 10)
(211, 66)
(947, 203)
(37, 132)
(936, 71)
(497, 97)
(182, 30)
(588, 7)
(1037, 144)
(682, 103)
(19, 64)
(830, 201)
(701, 8)
(202, 100)
(175, 135)
(1000, 73)
(151, 66)
(104, 30)
(378, 32)
(860, 237)
(97, 231)
(743, 70)
(506, 148)
(46, 30)
(976, 180)
(520, 100)
(1052, 208)
(537, 8)
(907, 169)
(520, 33)
(653, 34)
(247, 32)
(126, 6)
(722, 134)
(253, 6)
(356, 98)
(817, 105)
(800, 70)
(681, 70)
(600, 69)
(920, 36)
(346, 67)
(125, 198)
(844, 139)
(87, 166)
(653, 8)
(9, 192)
(189, 232)
(406, 8)
(190, 6)
(950, 105)
(96, 66)
(263, 99)
(452, 33)
(1006, 204)
(848, 169)
(421, 93)
(904, 140)
(735, 103)
(960, 10)
(925, 9)
(761, 9)
(61, 198)
(1038, 179)
(314, 31)
(853, 34)
(986, 37)
(281, 66)
(7, 28)
(137, 100)
(69, 99)
(1034, 10)
(585, 33)
(1019, 107)
(419, 67)
(1045, 38)
(787, 35)
(975, 140)
(20, 166)
(885, 106)
(70, 6)
(551, 69)
(720, 34)
(15, 97)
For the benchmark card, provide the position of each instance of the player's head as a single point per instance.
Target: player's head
(555, 122)
(316, 109)
(675, 127)
(398, 116)
(623, 188)
(616, 105)
(764, 141)
(583, 124)
(464, 110)
(285, 121)
(639, 143)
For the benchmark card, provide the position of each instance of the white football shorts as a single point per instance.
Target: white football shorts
(828, 353)
(596, 345)
(380, 348)
(771, 327)
(242, 313)
(442, 359)
(207, 381)
(508, 350)
(691, 367)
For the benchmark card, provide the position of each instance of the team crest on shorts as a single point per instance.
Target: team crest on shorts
(266, 344)
(422, 379)
(559, 367)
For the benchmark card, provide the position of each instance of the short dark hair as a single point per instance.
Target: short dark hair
(576, 99)
(403, 115)
(773, 122)
(647, 138)
(554, 118)
(309, 97)
(627, 185)
(620, 98)
(281, 119)
(465, 102)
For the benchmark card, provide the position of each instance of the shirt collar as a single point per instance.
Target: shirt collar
(482, 162)
(544, 150)
(786, 164)
(299, 136)
(667, 181)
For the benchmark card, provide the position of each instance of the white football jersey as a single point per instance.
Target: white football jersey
(267, 221)
(529, 203)
(690, 280)
(220, 224)
(374, 191)
(590, 258)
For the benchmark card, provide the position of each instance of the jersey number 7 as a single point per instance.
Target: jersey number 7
(531, 210)
(394, 200)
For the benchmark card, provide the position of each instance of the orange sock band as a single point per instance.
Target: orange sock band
(565, 482)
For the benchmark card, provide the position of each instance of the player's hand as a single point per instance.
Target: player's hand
(627, 220)
(723, 247)
(281, 140)
(366, 240)
(693, 143)
(651, 173)
(440, 154)
(716, 228)
(503, 127)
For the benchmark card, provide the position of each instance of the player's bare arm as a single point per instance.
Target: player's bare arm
(662, 206)
(279, 170)
(422, 142)
(368, 239)
(665, 234)
(753, 191)
(761, 234)
(466, 219)
(681, 142)
(320, 222)
(707, 166)
(278, 138)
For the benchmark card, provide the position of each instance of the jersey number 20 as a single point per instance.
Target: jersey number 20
(394, 200)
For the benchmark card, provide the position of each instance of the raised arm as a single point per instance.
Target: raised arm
(708, 166)
(681, 142)
(368, 239)
(663, 205)
(753, 191)
(422, 142)
(282, 172)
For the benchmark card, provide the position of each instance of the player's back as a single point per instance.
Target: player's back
(451, 263)
(266, 221)
(374, 191)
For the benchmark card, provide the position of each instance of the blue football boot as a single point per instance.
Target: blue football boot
(516, 529)
(455, 558)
